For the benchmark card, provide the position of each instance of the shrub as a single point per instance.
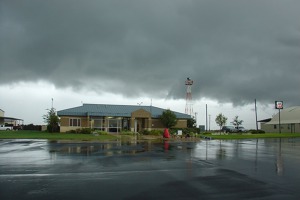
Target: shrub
(192, 134)
(101, 132)
(125, 132)
(78, 130)
(145, 132)
(71, 131)
(152, 132)
(206, 133)
(85, 131)
(156, 132)
(252, 131)
(32, 127)
(185, 131)
(81, 131)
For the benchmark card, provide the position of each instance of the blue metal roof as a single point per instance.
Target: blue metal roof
(114, 111)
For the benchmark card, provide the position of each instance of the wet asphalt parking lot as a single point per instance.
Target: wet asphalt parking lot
(207, 169)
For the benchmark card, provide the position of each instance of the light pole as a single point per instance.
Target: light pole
(279, 106)
(256, 115)
(206, 118)
(209, 122)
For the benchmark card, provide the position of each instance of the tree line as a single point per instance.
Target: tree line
(221, 121)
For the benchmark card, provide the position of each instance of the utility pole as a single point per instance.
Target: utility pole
(206, 117)
(279, 123)
(209, 123)
(279, 106)
(151, 108)
(256, 115)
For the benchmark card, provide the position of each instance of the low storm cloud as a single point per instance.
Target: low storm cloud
(234, 50)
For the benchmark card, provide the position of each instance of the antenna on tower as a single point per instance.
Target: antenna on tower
(189, 103)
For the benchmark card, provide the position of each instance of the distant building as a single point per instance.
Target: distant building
(8, 120)
(1, 116)
(289, 121)
(114, 118)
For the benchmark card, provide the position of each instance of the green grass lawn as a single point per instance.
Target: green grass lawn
(255, 136)
(54, 136)
(91, 137)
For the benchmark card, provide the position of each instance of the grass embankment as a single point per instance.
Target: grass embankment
(91, 137)
(254, 136)
(54, 136)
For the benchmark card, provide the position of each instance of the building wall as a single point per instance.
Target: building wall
(1, 115)
(65, 123)
(149, 123)
(285, 128)
(140, 120)
(181, 123)
(156, 124)
(141, 114)
(85, 122)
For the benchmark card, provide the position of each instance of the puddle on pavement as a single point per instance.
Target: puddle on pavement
(273, 153)
(113, 148)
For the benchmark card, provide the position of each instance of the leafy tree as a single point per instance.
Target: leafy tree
(236, 122)
(191, 123)
(52, 121)
(221, 120)
(168, 118)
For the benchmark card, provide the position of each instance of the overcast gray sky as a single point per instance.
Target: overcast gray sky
(234, 50)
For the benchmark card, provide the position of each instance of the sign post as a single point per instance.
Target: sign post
(279, 106)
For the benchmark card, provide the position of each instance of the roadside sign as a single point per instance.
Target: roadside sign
(278, 104)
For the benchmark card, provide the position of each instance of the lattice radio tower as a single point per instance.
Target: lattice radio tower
(189, 103)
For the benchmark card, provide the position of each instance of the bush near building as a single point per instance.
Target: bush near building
(252, 131)
(185, 131)
(32, 127)
(152, 132)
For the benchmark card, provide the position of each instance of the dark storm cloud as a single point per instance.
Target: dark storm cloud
(234, 50)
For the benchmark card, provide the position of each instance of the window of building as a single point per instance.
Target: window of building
(275, 126)
(75, 122)
(114, 124)
(99, 123)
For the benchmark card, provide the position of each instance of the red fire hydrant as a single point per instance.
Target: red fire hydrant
(166, 133)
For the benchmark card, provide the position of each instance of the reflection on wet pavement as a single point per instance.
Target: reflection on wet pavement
(210, 169)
